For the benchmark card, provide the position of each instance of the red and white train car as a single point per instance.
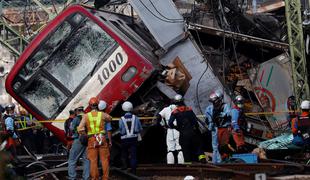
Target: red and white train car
(80, 54)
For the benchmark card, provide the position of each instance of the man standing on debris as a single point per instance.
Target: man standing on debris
(130, 128)
(217, 118)
(93, 123)
(172, 137)
(238, 122)
(187, 125)
(78, 148)
(301, 126)
(68, 131)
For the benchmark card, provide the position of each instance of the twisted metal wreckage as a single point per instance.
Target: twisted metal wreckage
(213, 45)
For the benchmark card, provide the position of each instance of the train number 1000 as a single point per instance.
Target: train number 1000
(111, 67)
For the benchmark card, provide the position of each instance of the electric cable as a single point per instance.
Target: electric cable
(235, 53)
(197, 85)
(162, 14)
(157, 16)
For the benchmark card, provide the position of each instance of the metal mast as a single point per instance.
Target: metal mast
(297, 49)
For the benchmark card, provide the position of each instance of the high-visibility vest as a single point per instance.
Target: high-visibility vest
(94, 124)
(129, 133)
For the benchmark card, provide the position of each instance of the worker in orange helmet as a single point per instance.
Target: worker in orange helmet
(94, 124)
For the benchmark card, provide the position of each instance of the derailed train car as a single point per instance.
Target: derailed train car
(80, 54)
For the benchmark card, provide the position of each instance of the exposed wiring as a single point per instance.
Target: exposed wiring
(164, 20)
(227, 25)
(197, 85)
(162, 14)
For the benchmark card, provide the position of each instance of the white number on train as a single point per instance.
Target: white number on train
(112, 66)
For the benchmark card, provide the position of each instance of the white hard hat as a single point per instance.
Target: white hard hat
(217, 95)
(305, 105)
(102, 105)
(127, 106)
(178, 98)
(239, 98)
(189, 178)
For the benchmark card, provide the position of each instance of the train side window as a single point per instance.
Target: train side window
(129, 74)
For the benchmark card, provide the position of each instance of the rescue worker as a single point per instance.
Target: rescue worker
(68, 131)
(172, 136)
(10, 129)
(238, 123)
(108, 127)
(94, 123)
(190, 136)
(78, 150)
(26, 134)
(217, 119)
(291, 107)
(130, 128)
(301, 126)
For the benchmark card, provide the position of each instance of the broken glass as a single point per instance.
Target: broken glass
(77, 57)
(45, 96)
(46, 50)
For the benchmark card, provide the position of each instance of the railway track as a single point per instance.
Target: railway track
(270, 168)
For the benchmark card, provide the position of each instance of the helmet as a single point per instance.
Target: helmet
(71, 112)
(215, 96)
(93, 101)
(239, 101)
(102, 105)
(10, 106)
(178, 98)
(127, 106)
(305, 105)
(79, 109)
(189, 177)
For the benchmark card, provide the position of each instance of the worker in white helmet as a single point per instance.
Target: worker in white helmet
(301, 126)
(102, 106)
(172, 137)
(238, 123)
(190, 136)
(217, 118)
(130, 128)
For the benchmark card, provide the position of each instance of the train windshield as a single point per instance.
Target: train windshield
(60, 64)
